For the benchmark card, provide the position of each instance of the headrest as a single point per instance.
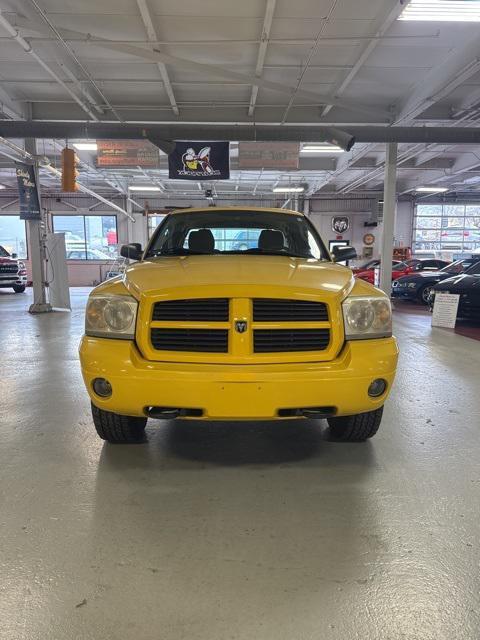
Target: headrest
(270, 240)
(201, 241)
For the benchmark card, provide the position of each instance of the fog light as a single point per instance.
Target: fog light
(102, 387)
(377, 387)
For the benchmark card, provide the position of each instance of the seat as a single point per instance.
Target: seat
(201, 241)
(270, 240)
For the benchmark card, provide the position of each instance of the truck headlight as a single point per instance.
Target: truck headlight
(111, 317)
(367, 317)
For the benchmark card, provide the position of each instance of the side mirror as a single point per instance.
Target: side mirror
(340, 254)
(132, 251)
(14, 255)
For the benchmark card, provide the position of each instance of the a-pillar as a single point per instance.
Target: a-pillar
(36, 234)
(389, 206)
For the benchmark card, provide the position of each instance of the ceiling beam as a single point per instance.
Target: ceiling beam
(155, 55)
(394, 8)
(152, 37)
(262, 50)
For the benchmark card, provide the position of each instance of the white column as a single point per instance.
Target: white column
(36, 234)
(389, 205)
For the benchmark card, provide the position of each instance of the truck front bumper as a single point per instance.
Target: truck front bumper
(238, 392)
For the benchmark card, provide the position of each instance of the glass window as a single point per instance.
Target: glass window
(152, 223)
(13, 236)
(247, 232)
(88, 237)
(447, 227)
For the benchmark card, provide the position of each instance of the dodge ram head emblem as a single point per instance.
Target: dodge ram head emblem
(240, 326)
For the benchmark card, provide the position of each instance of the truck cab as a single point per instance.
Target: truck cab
(13, 274)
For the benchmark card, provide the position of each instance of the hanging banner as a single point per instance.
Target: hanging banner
(127, 153)
(268, 155)
(27, 192)
(200, 161)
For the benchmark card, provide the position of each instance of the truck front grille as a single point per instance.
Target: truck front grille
(8, 268)
(284, 340)
(203, 340)
(280, 310)
(202, 309)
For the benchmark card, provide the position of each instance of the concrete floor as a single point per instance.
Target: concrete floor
(217, 531)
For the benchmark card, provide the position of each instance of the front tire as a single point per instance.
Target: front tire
(357, 428)
(118, 429)
(423, 295)
(19, 288)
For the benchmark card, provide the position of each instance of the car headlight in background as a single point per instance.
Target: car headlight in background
(111, 317)
(367, 317)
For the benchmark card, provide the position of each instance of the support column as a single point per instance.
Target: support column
(36, 235)
(389, 206)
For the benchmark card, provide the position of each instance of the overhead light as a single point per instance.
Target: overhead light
(431, 189)
(2, 186)
(85, 146)
(321, 148)
(145, 187)
(442, 11)
(288, 189)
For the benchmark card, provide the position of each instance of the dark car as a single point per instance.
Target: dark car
(429, 264)
(417, 286)
(467, 286)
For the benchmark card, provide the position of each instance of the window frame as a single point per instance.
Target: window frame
(17, 215)
(85, 241)
(444, 214)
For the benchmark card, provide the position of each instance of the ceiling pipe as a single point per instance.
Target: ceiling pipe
(27, 47)
(261, 133)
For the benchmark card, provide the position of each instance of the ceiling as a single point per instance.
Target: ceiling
(341, 62)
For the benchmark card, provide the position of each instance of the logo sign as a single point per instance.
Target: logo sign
(340, 224)
(268, 155)
(27, 192)
(126, 153)
(200, 161)
(240, 326)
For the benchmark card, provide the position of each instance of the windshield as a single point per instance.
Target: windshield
(3, 253)
(237, 232)
(460, 266)
(474, 269)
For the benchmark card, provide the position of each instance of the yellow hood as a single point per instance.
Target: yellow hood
(240, 276)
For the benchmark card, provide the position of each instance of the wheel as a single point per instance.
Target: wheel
(423, 295)
(243, 247)
(19, 288)
(116, 428)
(355, 428)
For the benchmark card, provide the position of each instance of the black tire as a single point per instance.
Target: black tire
(19, 288)
(355, 428)
(118, 429)
(424, 294)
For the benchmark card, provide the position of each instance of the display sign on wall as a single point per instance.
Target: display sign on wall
(268, 155)
(200, 161)
(127, 153)
(340, 224)
(27, 192)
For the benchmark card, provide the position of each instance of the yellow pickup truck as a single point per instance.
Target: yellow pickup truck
(203, 327)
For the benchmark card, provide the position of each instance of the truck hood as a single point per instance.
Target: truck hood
(238, 275)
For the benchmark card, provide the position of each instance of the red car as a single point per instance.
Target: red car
(398, 269)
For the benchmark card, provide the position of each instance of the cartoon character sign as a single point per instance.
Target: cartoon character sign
(195, 162)
(340, 224)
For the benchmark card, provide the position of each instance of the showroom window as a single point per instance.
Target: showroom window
(453, 228)
(13, 236)
(152, 223)
(88, 237)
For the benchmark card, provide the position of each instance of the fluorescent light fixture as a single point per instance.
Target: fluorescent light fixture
(288, 189)
(442, 11)
(321, 148)
(85, 146)
(2, 186)
(431, 189)
(144, 187)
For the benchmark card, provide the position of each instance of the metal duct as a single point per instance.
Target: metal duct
(261, 133)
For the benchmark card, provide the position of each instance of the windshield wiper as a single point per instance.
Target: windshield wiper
(178, 251)
(288, 254)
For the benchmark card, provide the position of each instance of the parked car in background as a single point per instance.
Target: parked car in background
(467, 286)
(398, 269)
(13, 274)
(245, 240)
(432, 264)
(89, 254)
(417, 286)
(371, 264)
